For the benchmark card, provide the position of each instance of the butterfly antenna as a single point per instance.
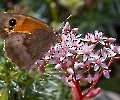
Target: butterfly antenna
(66, 19)
(58, 31)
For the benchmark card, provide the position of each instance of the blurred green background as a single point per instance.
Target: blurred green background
(88, 16)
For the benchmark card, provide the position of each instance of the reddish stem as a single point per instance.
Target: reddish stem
(112, 59)
(95, 81)
(76, 91)
(93, 85)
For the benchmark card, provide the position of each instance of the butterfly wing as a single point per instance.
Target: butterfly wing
(39, 43)
(25, 49)
(26, 38)
(16, 51)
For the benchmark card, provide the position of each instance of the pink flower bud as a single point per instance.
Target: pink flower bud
(41, 62)
(74, 30)
(96, 75)
(57, 67)
(67, 26)
(63, 78)
(70, 71)
(106, 73)
(78, 76)
(89, 78)
(110, 40)
(96, 67)
(93, 93)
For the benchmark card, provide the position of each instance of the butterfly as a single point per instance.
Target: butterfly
(26, 38)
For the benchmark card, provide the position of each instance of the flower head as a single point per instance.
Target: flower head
(79, 56)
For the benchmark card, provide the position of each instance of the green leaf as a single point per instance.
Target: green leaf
(4, 94)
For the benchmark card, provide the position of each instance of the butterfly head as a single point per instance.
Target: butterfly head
(8, 24)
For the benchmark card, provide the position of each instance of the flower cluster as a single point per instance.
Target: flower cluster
(82, 59)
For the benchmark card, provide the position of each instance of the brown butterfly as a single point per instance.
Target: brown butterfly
(26, 38)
